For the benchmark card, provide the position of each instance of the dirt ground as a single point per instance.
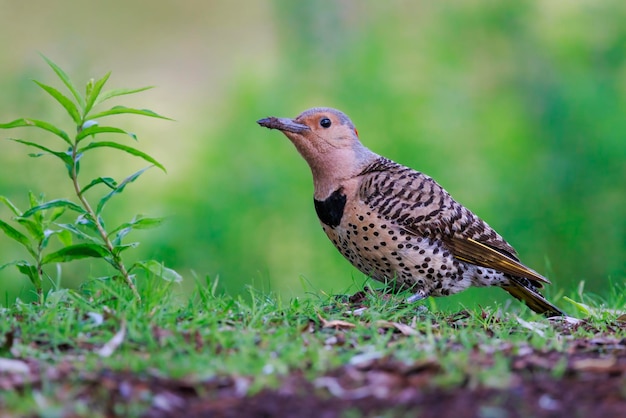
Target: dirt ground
(588, 379)
(593, 384)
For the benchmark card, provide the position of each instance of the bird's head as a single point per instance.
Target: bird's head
(328, 141)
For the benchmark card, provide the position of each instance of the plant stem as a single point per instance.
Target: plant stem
(116, 259)
(40, 274)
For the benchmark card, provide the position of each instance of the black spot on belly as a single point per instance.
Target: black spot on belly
(330, 210)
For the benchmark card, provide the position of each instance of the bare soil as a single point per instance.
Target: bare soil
(593, 384)
(586, 379)
(589, 379)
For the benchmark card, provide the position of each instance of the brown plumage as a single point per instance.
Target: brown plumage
(398, 225)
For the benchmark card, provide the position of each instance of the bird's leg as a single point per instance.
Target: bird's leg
(419, 295)
(395, 287)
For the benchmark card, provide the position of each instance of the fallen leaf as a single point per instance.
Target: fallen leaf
(335, 323)
(357, 312)
(366, 359)
(13, 366)
(533, 326)
(96, 317)
(605, 340)
(549, 403)
(568, 320)
(594, 364)
(403, 328)
(112, 345)
(334, 387)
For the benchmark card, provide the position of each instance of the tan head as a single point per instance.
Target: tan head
(328, 141)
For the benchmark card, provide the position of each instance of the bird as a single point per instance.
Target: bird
(398, 225)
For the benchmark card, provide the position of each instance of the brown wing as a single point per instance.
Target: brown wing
(474, 252)
(424, 208)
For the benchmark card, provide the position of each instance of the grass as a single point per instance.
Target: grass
(259, 341)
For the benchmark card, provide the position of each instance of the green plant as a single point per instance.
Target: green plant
(88, 227)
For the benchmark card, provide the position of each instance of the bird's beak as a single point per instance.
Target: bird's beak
(283, 124)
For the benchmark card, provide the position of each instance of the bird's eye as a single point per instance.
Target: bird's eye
(325, 123)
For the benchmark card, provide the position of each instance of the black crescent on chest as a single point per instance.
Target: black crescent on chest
(330, 210)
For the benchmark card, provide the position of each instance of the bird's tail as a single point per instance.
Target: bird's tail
(533, 299)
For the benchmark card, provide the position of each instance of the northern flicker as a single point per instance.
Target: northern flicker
(397, 225)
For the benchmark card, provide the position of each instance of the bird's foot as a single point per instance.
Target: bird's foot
(419, 295)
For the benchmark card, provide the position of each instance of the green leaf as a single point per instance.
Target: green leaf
(141, 223)
(17, 236)
(56, 298)
(63, 100)
(27, 123)
(11, 263)
(124, 148)
(74, 252)
(10, 205)
(93, 130)
(66, 80)
(33, 227)
(34, 202)
(94, 92)
(56, 213)
(86, 221)
(108, 181)
(55, 204)
(119, 247)
(80, 234)
(118, 110)
(119, 92)
(31, 272)
(119, 189)
(27, 269)
(125, 228)
(65, 237)
(65, 157)
(159, 270)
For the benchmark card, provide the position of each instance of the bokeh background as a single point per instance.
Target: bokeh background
(517, 108)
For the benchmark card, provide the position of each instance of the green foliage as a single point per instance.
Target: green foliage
(38, 222)
(41, 220)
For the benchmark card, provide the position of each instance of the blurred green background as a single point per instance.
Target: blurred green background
(517, 108)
